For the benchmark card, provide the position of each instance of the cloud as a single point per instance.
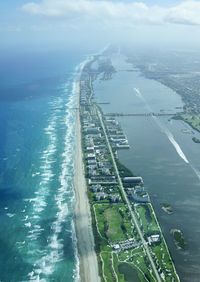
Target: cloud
(187, 13)
(124, 13)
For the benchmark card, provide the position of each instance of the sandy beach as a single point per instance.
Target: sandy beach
(87, 255)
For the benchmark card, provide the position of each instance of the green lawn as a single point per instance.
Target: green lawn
(146, 218)
(113, 222)
(107, 266)
(164, 261)
(114, 225)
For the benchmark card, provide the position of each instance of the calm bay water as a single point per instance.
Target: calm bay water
(37, 239)
(163, 153)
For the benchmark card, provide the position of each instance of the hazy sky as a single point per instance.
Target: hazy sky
(53, 23)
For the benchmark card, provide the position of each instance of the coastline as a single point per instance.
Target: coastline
(94, 135)
(88, 265)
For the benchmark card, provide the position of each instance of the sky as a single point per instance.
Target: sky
(56, 23)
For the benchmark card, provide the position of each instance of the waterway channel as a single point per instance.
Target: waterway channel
(162, 152)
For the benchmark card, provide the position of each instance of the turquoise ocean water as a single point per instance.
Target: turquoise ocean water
(37, 141)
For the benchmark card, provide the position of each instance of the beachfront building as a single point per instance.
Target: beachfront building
(109, 180)
(142, 198)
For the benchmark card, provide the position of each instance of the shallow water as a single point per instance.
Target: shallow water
(37, 237)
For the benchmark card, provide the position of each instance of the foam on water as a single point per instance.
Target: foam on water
(197, 172)
(76, 275)
(45, 265)
(43, 250)
(10, 214)
(55, 245)
(37, 205)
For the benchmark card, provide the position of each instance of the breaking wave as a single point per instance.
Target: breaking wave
(54, 192)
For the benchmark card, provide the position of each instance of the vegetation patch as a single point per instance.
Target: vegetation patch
(146, 219)
(113, 222)
(195, 140)
(178, 238)
(192, 120)
(137, 262)
(107, 266)
(123, 170)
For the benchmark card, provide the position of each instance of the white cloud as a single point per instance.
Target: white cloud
(186, 13)
(124, 13)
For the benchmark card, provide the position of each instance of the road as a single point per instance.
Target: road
(145, 245)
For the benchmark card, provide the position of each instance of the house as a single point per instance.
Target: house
(116, 247)
(100, 196)
(115, 198)
(90, 149)
(154, 239)
(91, 156)
(96, 188)
(92, 172)
(92, 130)
(92, 166)
(105, 171)
(92, 162)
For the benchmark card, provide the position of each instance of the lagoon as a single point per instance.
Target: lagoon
(162, 152)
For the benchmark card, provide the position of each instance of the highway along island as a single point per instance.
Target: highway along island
(129, 243)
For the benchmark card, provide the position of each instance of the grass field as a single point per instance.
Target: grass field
(113, 222)
(147, 219)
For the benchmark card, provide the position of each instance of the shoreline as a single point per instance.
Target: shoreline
(91, 117)
(88, 264)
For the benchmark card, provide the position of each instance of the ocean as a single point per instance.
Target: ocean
(37, 141)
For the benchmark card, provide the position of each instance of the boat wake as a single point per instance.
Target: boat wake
(177, 147)
(163, 128)
(197, 172)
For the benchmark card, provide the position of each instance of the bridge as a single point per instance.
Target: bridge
(103, 103)
(139, 114)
